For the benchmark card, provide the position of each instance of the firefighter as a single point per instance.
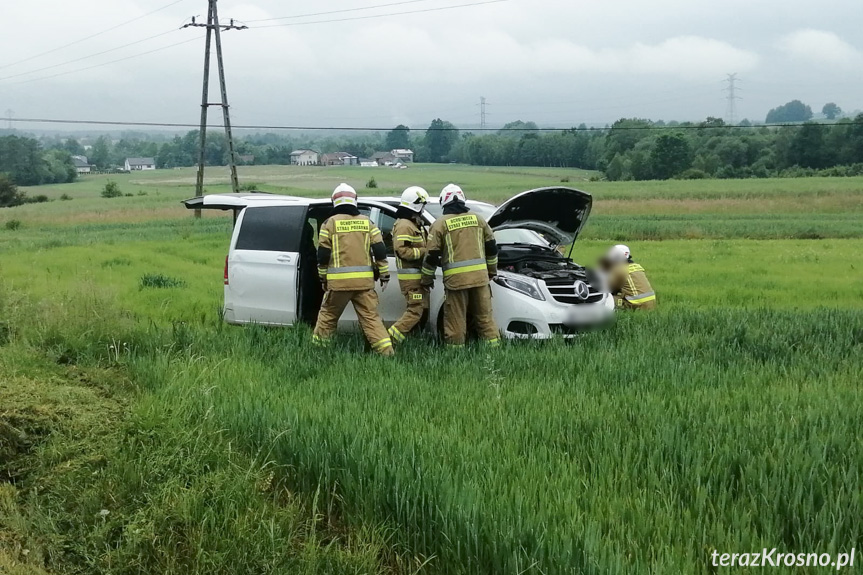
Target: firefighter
(347, 245)
(627, 281)
(463, 245)
(409, 240)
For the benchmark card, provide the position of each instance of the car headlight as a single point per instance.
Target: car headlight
(526, 286)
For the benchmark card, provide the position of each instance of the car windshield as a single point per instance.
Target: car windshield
(482, 209)
(520, 236)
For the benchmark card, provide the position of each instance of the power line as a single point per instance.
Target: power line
(87, 56)
(102, 64)
(384, 15)
(51, 51)
(336, 11)
(387, 129)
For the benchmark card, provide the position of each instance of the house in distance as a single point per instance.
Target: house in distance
(305, 158)
(139, 164)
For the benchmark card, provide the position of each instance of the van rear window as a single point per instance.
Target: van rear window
(273, 229)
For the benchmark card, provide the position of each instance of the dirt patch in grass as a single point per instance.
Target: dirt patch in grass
(53, 419)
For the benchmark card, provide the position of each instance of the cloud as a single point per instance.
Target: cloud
(689, 56)
(495, 54)
(820, 47)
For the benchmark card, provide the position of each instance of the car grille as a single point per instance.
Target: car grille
(563, 290)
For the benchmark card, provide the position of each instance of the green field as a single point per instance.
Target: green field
(138, 434)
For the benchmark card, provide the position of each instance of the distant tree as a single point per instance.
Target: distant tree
(399, 138)
(615, 170)
(831, 111)
(624, 135)
(807, 146)
(72, 146)
(100, 155)
(793, 111)
(439, 140)
(9, 194)
(518, 129)
(60, 168)
(670, 156)
(22, 160)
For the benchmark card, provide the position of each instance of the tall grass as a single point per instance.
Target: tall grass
(618, 453)
(97, 477)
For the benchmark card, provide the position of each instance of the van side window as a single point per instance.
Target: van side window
(272, 229)
(385, 224)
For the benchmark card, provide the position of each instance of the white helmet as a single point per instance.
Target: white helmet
(451, 193)
(414, 198)
(344, 195)
(618, 253)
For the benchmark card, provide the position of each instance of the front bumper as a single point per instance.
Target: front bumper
(521, 317)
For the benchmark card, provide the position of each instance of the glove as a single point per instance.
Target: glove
(385, 281)
(427, 284)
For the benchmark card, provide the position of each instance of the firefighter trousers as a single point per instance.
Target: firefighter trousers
(476, 303)
(366, 305)
(417, 301)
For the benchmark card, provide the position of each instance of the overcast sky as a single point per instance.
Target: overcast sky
(559, 62)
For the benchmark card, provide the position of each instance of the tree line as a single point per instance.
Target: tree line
(629, 149)
(26, 163)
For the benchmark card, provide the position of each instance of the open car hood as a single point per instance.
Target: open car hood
(557, 213)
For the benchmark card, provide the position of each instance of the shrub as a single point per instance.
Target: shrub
(372, 183)
(65, 197)
(250, 187)
(693, 174)
(160, 281)
(142, 193)
(111, 190)
(9, 194)
(564, 180)
(130, 195)
(13, 225)
(40, 199)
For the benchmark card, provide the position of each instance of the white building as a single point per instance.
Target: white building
(82, 165)
(405, 156)
(137, 164)
(305, 158)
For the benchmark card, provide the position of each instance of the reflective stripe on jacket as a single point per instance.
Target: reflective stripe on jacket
(409, 243)
(461, 240)
(629, 283)
(351, 241)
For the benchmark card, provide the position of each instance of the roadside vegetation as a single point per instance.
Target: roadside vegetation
(138, 434)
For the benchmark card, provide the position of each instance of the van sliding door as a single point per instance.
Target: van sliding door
(264, 264)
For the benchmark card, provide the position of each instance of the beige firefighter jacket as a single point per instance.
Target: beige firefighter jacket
(630, 286)
(353, 242)
(463, 245)
(409, 242)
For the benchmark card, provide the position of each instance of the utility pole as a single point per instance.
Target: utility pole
(9, 114)
(482, 112)
(214, 31)
(732, 97)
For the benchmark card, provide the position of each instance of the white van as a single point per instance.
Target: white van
(271, 268)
